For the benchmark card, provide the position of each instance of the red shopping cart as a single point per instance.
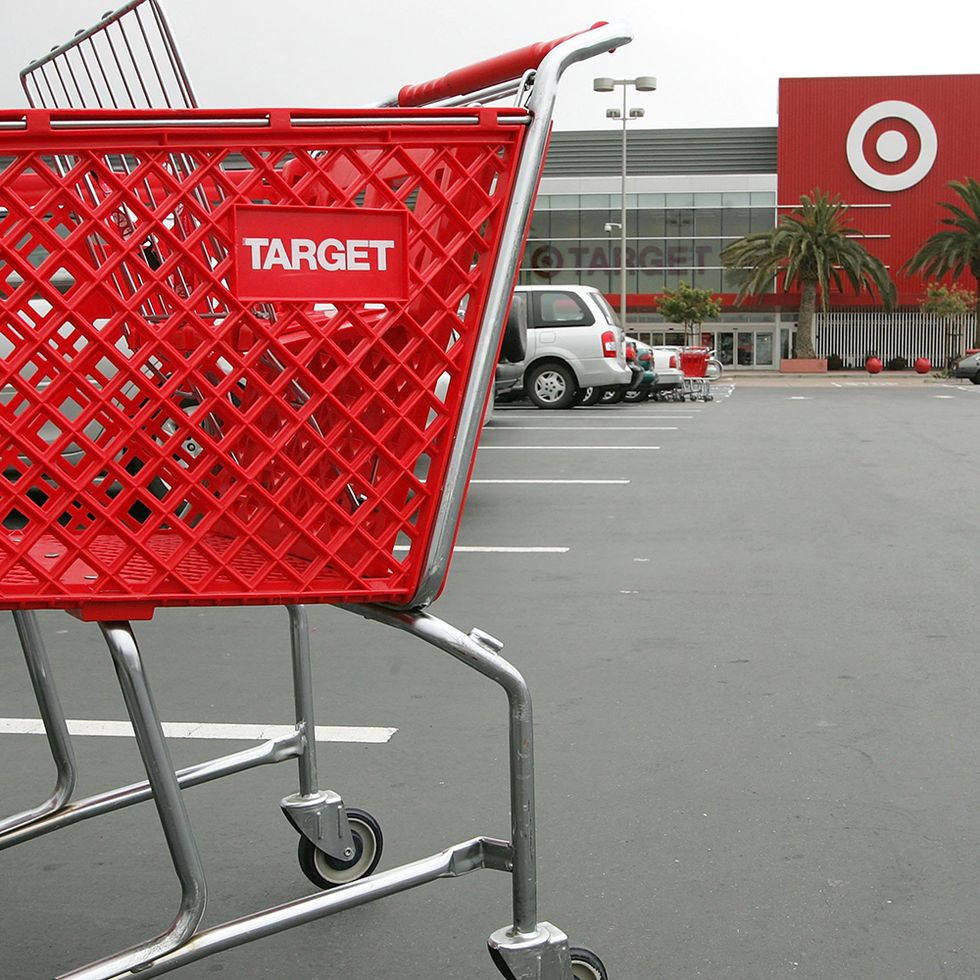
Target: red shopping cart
(246, 356)
(694, 364)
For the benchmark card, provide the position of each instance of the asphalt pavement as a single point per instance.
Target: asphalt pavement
(749, 629)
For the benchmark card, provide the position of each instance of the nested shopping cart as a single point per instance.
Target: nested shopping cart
(694, 363)
(245, 358)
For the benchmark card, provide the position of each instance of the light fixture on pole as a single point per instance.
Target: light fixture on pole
(643, 83)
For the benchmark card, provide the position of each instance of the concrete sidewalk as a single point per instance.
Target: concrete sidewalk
(745, 376)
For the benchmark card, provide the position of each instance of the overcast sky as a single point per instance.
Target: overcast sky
(717, 62)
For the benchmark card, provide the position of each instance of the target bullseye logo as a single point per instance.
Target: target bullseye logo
(892, 146)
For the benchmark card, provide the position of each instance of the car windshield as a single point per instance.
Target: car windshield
(609, 312)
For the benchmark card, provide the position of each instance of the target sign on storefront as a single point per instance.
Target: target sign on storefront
(889, 146)
(892, 145)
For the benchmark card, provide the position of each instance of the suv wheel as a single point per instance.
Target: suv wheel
(551, 386)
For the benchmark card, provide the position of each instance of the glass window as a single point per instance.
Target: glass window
(707, 221)
(679, 222)
(707, 200)
(600, 278)
(565, 202)
(762, 219)
(564, 224)
(762, 199)
(592, 224)
(708, 279)
(707, 252)
(540, 225)
(735, 199)
(651, 280)
(595, 253)
(763, 348)
(560, 277)
(651, 224)
(726, 347)
(651, 200)
(679, 254)
(599, 201)
(558, 308)
(736, 222)
(546, 257)
(745, 348)
(680, 200)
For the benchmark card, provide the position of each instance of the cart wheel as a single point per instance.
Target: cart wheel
(328, 872)
(586, 965)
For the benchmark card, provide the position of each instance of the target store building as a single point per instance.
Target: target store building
(888, 146)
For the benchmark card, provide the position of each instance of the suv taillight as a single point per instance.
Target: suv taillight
(609, 345)
(673, 361)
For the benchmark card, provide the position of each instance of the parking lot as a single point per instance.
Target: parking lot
(749, 629)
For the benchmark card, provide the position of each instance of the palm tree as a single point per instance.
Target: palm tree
(958, 249)
(813, 249)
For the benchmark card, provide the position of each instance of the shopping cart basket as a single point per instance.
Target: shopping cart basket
(694, 364)
(246, 357)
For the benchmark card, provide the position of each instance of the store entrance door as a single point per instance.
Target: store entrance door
(744, 348)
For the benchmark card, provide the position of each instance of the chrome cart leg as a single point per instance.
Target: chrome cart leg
(53, 717)
(527, 949)
(170, 807)
(318, 815)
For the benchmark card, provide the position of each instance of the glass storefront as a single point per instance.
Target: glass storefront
(670, 238)
(749, 342)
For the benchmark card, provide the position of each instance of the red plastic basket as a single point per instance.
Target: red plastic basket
(694, 362)
(183, 428)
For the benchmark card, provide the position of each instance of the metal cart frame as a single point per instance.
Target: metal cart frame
(527, 949)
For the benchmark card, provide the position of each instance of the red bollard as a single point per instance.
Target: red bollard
(873, 365)
(922, 365)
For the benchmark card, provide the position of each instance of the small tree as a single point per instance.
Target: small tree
(947, 303)
(689, 306)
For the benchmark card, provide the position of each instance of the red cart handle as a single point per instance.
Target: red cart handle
(483, 74)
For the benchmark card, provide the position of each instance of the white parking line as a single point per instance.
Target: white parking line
(567, 448)
(590, 482)
(632, 417)
(502, 549)
(200, 729)
(591, 428)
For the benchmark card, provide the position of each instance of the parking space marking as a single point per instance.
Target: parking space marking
(633, 418)
(203, 730)
(567, 448)
(502, 549)
(591, 428)
(589, 482)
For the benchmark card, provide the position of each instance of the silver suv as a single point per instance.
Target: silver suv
(574, 341)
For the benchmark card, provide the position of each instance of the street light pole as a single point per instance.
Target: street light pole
(643, 83)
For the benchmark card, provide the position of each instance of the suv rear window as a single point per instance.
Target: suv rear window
(557, 309)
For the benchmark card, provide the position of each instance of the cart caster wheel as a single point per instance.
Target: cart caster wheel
(328, 872)
(586, 965)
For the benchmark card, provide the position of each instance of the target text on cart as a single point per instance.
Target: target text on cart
(320, 254)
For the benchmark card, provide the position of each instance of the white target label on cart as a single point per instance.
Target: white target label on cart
(320, 254)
